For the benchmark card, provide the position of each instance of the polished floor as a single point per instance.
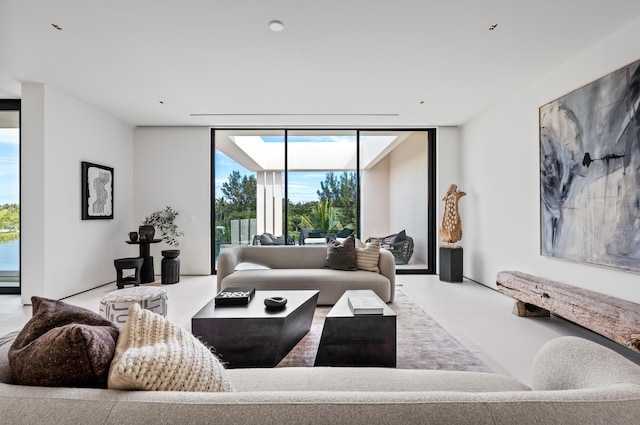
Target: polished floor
(477, 316)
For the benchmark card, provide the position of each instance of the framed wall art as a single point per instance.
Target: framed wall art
(590, 172)
(97, 191)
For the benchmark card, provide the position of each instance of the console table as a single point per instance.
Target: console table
(147, 273)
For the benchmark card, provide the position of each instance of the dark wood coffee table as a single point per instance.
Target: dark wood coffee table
(357, 340)
(252, 336)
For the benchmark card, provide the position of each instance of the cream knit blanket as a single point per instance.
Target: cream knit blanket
(152, 353)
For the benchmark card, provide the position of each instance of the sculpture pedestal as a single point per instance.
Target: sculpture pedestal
(451, 264)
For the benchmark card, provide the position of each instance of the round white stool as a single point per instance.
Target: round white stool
(114, 306)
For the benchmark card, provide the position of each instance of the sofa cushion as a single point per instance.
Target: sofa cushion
(341, 256)
(370, 379)
(367, 257)
(63, 345)
(154, 354)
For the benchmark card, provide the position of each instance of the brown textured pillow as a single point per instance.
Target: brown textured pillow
(341, 256)
(63, 345)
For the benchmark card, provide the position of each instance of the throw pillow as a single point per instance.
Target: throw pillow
(344, 233)
(341, 256)
(155, 354)
(367, 257)
(63, 345)
(402, 236)
(265, 239)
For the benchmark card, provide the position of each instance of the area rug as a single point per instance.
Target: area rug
(421, 342)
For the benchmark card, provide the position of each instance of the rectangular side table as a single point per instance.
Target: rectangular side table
(357, 340)
(252, 336)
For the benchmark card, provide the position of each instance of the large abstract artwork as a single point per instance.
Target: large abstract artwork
(590, 172)
(97, 191)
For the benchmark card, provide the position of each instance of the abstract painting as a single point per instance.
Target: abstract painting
(97, 191)
(590, 172)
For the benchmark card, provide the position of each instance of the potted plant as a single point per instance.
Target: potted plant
(164, 221)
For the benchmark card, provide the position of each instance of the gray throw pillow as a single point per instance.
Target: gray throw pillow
(341, 256)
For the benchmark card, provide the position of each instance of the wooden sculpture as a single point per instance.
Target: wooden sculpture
(451, 227)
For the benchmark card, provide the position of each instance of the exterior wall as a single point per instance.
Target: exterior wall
(500, 172)
(408, 192)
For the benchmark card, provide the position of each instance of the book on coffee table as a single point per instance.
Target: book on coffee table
(365, 305)
(235, 296)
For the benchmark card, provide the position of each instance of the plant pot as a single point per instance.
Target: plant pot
(146, 233)
(170, 253)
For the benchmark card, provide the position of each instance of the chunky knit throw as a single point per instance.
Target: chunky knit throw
(152, 353)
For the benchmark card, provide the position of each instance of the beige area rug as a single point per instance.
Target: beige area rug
(421, 342)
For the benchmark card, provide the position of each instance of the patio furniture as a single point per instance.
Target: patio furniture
(400, 245)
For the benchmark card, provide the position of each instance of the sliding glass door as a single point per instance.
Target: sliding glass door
(304, 187)
(9, 196)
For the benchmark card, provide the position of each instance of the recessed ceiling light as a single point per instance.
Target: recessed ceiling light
(492, 27)
(276, 26)
(58, 27)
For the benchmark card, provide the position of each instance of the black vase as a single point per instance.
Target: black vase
(146, 233)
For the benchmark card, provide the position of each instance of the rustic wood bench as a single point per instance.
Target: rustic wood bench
(614, 318)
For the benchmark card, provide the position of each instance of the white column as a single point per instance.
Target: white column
(260, 203)
(268, 198)
(277, 203)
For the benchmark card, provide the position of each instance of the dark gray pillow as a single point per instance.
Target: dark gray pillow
(341, 256)
(265, 239)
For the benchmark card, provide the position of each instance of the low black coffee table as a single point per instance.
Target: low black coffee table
(252, 336)
(357, 340)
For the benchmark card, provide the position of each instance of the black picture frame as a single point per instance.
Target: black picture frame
(97, 191)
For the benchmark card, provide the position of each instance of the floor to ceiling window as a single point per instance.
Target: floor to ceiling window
(9, 196)
(275, 187)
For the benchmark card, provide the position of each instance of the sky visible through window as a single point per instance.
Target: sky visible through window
(303, 186)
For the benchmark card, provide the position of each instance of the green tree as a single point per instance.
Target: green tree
(341, 193)
(240, 191)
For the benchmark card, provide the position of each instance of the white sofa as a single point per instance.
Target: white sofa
(301, 267)
(575, 381)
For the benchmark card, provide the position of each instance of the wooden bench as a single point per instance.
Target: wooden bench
(614, 318)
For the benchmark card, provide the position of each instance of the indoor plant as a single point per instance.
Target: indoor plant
(164, 221)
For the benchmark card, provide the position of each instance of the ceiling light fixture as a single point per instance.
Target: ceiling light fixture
(492, 27)
(276, 26)
(58, 27)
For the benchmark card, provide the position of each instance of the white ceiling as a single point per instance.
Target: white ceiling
(336, 63)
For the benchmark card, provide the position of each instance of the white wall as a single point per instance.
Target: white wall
(500, 173)
(173, 168)
(61, 254)
(447, 173)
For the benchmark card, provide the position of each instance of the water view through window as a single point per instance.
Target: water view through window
(9, 201)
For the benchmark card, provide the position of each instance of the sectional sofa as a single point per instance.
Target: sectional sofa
(301, 267)
(575, 381)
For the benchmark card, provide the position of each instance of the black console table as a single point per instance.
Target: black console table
(147, 273)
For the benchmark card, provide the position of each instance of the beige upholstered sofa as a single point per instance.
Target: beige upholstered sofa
(574, 382)
(301, 267)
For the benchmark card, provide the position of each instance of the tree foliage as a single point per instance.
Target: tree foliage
(241, 191)
(10, 217)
